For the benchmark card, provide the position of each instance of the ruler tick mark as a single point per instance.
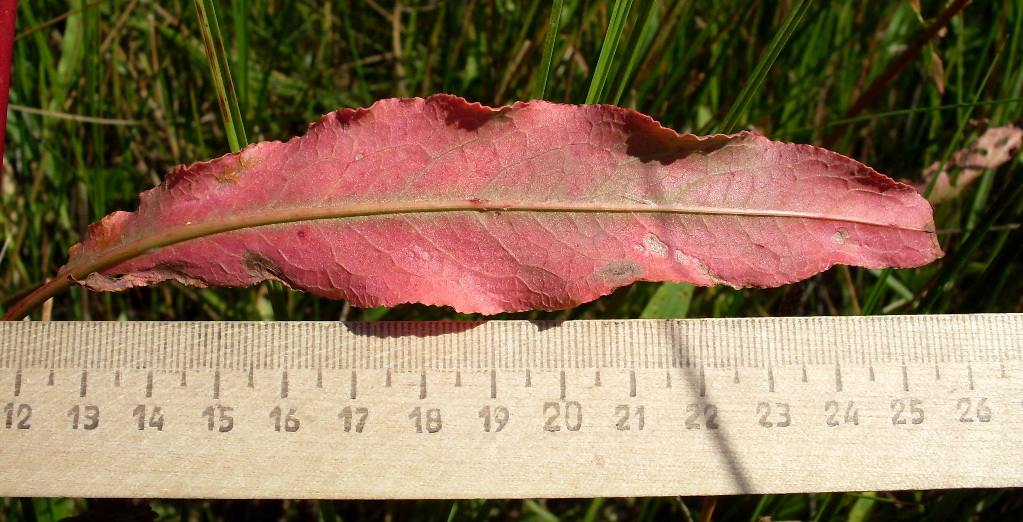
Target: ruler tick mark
(529, 379)
(735, 376)
(804, 374)
(84, 384)
(387, 381)
(117, 379)
(905, 378)
(49, 380)
(252, 377)
(149, 384)
(216, 384)
(667, 378)
(354, 388)
(969, 374)
(561, 384)
(770, 379)
(632, 383)
(1003, 370)
(422, 385)
(458, 379)
(703, 383)
(596, 378)
(183, 382)
(319, 378)
(284, 385)
(17, 383)
(838, 378)
(871, 373)
(493, 384)
(937, 373)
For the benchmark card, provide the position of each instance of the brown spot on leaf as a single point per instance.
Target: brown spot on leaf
(262, 267)
(841, 237)
(619, 272)
(232, 173)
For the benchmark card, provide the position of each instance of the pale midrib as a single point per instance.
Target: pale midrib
(181, 233)
(187, 232)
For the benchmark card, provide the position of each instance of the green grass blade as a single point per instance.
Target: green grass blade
(632, 54)
(549, 43)
(220, 52)
(234, 127)
(214, 53)
(593, 511)
(670, 301)
(958, 137)
(955, 266)
(876, 293)
(891, 114)
(995, 278)
(346, 22)
(861, 508)
(735, 113)
(605, 63)
(242, 38)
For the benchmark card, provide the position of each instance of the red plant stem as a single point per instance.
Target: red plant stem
(8, 13)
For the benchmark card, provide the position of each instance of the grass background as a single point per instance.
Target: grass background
(110, 94)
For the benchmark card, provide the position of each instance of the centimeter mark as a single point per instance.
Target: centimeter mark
(493, 384)
(354, 387)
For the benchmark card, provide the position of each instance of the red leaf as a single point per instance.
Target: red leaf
(532, 206)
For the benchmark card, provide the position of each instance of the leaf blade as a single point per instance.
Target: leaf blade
(535, 205)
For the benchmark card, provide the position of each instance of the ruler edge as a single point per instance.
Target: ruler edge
(22, 357)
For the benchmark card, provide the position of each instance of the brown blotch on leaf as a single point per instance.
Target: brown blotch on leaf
(619, 272)
(232, 173)
(262, 267)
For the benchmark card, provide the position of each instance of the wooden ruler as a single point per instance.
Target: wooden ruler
(510, 408)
